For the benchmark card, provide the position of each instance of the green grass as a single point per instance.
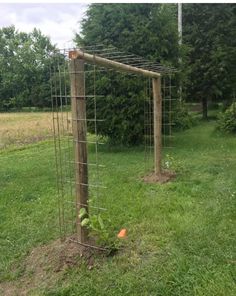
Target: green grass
(27, 201)
(181, 235)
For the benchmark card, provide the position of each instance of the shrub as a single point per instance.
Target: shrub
(227, 120)
(123, 119)
(182, 119)
(122, 104)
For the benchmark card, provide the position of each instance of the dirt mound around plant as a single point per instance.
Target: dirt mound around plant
(164, 177)
(45, 265)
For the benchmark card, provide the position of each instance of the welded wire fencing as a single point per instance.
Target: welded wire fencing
(101, 87)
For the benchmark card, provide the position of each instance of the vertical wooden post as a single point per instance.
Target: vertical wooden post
(157, 113)
(79, 128)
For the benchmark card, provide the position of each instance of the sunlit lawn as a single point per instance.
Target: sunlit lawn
(21, 128)
(181, 235)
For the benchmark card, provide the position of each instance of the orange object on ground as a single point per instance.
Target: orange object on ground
(122, 233)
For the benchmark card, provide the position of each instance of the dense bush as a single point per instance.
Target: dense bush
(120, 104)
(227, 120)
(182, 119)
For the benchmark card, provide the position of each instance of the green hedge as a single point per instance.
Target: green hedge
(227, 120)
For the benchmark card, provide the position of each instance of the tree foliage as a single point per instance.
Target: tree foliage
(120, 104)
(209, 31)
(24, 69)
(147, 30)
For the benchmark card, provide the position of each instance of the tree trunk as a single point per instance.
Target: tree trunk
(204, 108)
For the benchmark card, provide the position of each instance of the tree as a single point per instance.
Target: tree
(24, 68)
(209, 31)
(147, 30)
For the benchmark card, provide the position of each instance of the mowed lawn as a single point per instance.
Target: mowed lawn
(181, 235)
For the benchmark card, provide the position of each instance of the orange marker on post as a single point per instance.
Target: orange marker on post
(122, 233)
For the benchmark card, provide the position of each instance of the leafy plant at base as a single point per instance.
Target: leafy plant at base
(97, 229)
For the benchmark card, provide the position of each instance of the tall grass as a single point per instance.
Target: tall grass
(17, 129)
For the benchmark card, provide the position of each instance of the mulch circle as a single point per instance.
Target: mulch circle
(162, 178)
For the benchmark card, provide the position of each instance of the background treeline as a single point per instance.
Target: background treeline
(209, 32)
(207, 68)
(24, 69)
(206, 61)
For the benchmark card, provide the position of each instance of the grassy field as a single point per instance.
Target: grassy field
(181, 235)
(23, 128)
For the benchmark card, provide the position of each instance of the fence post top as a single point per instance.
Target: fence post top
(73, 54)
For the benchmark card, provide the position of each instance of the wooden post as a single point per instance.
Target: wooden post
(157, 113)
(79, 128)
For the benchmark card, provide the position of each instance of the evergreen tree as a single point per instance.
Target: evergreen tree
(209, 31)
(148, 30)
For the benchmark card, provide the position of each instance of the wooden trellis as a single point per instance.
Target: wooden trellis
(78, 105)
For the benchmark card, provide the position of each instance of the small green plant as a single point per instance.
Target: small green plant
(97, 229)
(171, 163)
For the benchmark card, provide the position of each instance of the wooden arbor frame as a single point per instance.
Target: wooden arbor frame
(78, 105)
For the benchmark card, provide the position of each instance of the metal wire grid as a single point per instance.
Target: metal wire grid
(62, 126)
(167, 111)
(64, 147)
(62, 141)
(111, 52)
(167, 119)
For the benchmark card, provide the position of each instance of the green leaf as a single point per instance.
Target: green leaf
(85, 222)
(82, 213)
(100, 222)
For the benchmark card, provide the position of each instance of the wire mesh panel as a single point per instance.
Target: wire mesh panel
(63, 142)
(82, 130)
(167, 110)
(168, 107)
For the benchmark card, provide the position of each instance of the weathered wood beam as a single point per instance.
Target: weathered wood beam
(79, 128)
(95, 59)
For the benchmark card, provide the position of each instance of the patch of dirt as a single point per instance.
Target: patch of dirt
(164, 177)
(46, 264)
